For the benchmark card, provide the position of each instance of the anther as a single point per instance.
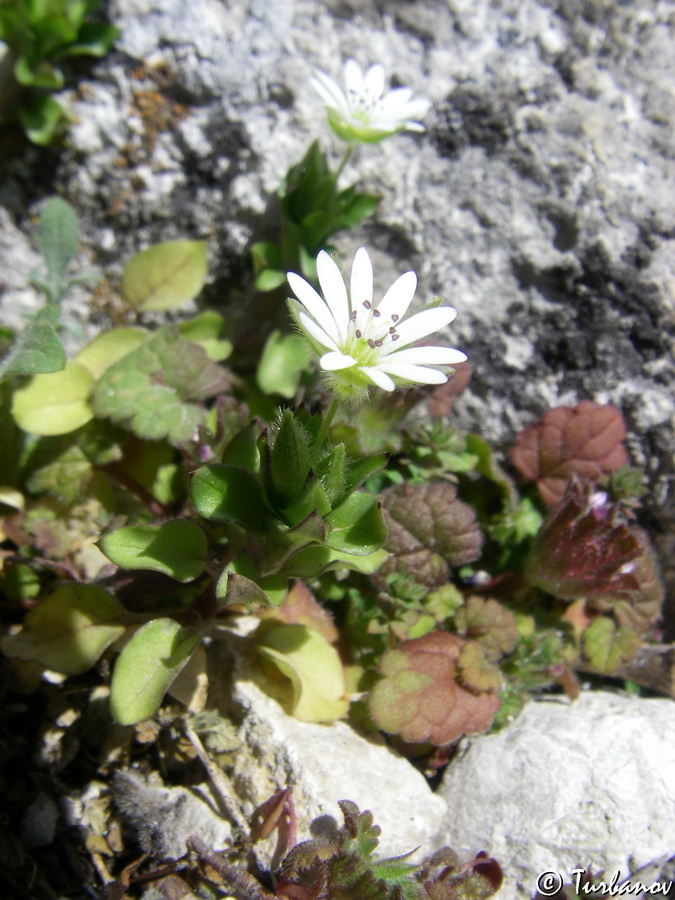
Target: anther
(376, 314)
(395, 337)
(367, 304)
(378, 343)
(392, 330)
(394, 318)
(358, 333)
(352, 316)
(371, 343)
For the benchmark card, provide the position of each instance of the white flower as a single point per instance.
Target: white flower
(360, 112)
(361, 344)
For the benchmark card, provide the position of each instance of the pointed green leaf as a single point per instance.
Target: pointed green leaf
(331, 470)
(206, 329)
(229, 494)
(54, 403)
(69, 630)
(360, 470)
(289, 460)
(243, 451)
(57, 238)
(312, 561)
(44, 119)
(165, 276)
(177, 548)
(146, 667)
(357, 525)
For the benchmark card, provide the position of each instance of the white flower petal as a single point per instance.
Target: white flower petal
(427, 356)
(314, 304)
(329, 91)
(418, 374)
(316, 332)
(334, 290)
(362, 279)
(353, 77)
(373, 83)
(378, 377)
(398, 298)
(335, 360)
(423, 323)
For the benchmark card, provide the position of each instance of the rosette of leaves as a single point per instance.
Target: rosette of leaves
(584, 440)
(434, 689)
(430, 531)
(291, 508)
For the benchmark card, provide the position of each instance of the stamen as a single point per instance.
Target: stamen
(371, 343)
(358, 333)
(378, 343)
(395, 318)
(352, 316)
(376, 314)
(392, 330)
(367, 304)
(395, 337)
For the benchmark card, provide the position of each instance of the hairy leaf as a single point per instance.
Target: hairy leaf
(109, 347)
(489, 623)
(58, 242)
(69, 630)
(37, 348)
(475, 671)
(230, 494)
(585, 440)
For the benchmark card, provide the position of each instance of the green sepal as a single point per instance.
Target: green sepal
(289, 461)
(313, 498)
(242, 450)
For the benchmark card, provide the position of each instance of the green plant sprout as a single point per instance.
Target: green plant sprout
(40, 37)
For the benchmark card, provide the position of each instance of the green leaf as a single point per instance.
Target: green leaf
(312, 561)
(109, 347)
(38, 348)
(240, 583)
(243, 451)
(313, 667)
(165, 276)
(289, 460)
(332, 472)
(57, 240)
(229, 494)
(146, 667)
(54, 403)
(206, 330)
(357, 525)
(149, 390)
(284, 358)
(70, 630)
(608, 647)
(93, 39)
(44, 119)
(177, 548)
(38, 73)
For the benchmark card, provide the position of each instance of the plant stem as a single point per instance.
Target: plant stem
(343, 162)
(327, 421)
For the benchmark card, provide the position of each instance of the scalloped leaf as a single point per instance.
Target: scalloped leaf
(70, 630)
(429, 530)
(607, 647)
(475, 671)
(489, 623)
(147, 665)
(418, 696)
(177, 548)
(165, 276)
(151, 390)
(37, 349)
(584, 440)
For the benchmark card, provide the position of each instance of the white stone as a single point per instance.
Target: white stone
(589, 783)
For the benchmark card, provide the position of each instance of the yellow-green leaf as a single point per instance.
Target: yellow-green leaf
(313, 667)
(108, 347)
(54, 403)
(165, 276)
(69, 630)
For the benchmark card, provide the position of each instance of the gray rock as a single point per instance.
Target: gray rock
(587, 784)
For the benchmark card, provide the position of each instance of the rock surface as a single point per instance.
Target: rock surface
(539, 201)
(588, 784)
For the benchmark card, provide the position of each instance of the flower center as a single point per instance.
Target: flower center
(369, 333)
